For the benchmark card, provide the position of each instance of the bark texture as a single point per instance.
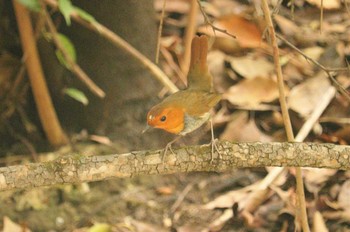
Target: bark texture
(79, 168)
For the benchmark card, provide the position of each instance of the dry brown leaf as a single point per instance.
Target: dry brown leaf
(251, 67)
(315, 178)
(10, 226)
(327, 4)
(247, 33)
(216, 66)
(255, 199)
(101, 139)
(251, 92)
(318, 224)
(343, 197)
(165, 190)
(288, 27)
(305, 97)
(312, 52)
(243, 129)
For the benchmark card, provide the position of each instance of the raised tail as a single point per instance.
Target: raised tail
(198, 77)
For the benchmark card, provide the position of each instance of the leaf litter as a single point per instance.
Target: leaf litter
(244, 74)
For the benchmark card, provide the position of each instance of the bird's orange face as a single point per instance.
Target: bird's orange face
(170, 119)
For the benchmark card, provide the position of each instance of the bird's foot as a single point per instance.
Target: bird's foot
(167, 147)
(214, 147)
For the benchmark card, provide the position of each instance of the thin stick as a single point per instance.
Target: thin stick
(207, 21)
(285, 115)
(73, 66)
(181, 197)
(120, 43)
(321, 106)
(189, 33)
(46, 110)
(340, 88)
(321, 17)
(160, 29)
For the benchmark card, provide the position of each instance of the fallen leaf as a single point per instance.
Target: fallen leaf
(216, 66)
(343, 197)
(10, 226)
(247, 33)
(251, 67)
(243, 129)
(288, 27)
(251, 92)
(327, 4)
(101, 139)
(304, 98)
(165, 190)
(312, 52)
(315, 178)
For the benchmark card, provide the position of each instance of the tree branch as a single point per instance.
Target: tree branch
(80, 168)
(46, 110)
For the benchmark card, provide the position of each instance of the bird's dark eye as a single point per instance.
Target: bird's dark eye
(163, 118)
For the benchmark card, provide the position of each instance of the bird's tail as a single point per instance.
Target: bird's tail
(198, 77)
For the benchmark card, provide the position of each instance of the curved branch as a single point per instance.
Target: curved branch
(80, 168)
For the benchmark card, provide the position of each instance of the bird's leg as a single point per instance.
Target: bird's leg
(213, 143)
(168, 147)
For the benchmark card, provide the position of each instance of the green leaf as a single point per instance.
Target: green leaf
(33, 5)
(69, 47)
(66, 7)
(76, 95)
(85, 15)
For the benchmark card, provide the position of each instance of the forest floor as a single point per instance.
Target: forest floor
(243, 71)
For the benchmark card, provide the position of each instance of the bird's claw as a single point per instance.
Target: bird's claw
(167, 147)
(214, 147)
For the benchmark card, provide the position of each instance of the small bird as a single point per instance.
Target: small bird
(188, 109)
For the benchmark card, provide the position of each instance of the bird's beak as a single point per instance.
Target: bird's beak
(146, 129)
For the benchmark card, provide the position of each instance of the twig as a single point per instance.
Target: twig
(321, 106)
(326, 70)
(73, 66)
(285, 114)
(189, 33)
(207, 21)
(120, 43)
(321, 17)
(181, 197)
(81, 168)
(160, 29)
(173, 65)
(41, 94)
